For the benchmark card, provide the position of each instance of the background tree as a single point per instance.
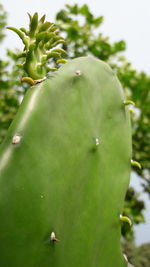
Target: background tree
(83, 37)
(9, 83)
(3, 16)
(138, 256)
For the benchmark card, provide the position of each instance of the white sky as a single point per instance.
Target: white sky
(124, 19)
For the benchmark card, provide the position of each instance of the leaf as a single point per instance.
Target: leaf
(98, 21)
(73, 9)
(33, 25)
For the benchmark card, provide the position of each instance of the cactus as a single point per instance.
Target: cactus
(39, 42)
(64, 171)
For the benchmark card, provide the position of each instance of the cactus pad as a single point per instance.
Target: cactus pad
(64, 171)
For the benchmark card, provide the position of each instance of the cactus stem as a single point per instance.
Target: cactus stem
(53, 237)
(16, 139)
(136, 164)
(125, 219)
(78, 72)
(129, 102)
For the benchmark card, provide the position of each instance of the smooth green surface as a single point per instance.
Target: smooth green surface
(58, 180)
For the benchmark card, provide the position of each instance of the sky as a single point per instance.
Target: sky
(128, 20)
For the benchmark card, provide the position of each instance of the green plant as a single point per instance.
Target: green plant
(3, 16)
(83, 39)
(39, 42)
(64, 170)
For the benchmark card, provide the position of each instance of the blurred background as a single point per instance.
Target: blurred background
(114, 31)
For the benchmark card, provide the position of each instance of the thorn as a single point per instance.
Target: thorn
(136, 164)
(16, 139)
(53, 237)
(40, 80)
(125, 219)
(129, 102)
(78, 72)
(125, 256)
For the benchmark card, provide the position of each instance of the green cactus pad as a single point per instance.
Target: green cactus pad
(64, 171)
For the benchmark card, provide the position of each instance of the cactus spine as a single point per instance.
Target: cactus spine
(64, 171)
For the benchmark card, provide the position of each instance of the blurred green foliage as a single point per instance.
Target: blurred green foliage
(81, 30)
(138, 256)
(3, 15)
(8, 96)
(11, 89)
(133, 208)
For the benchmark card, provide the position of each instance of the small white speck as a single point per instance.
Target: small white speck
(16, 139)
(78, 72)
(97, 141)
(53, 237)
(42, 196)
